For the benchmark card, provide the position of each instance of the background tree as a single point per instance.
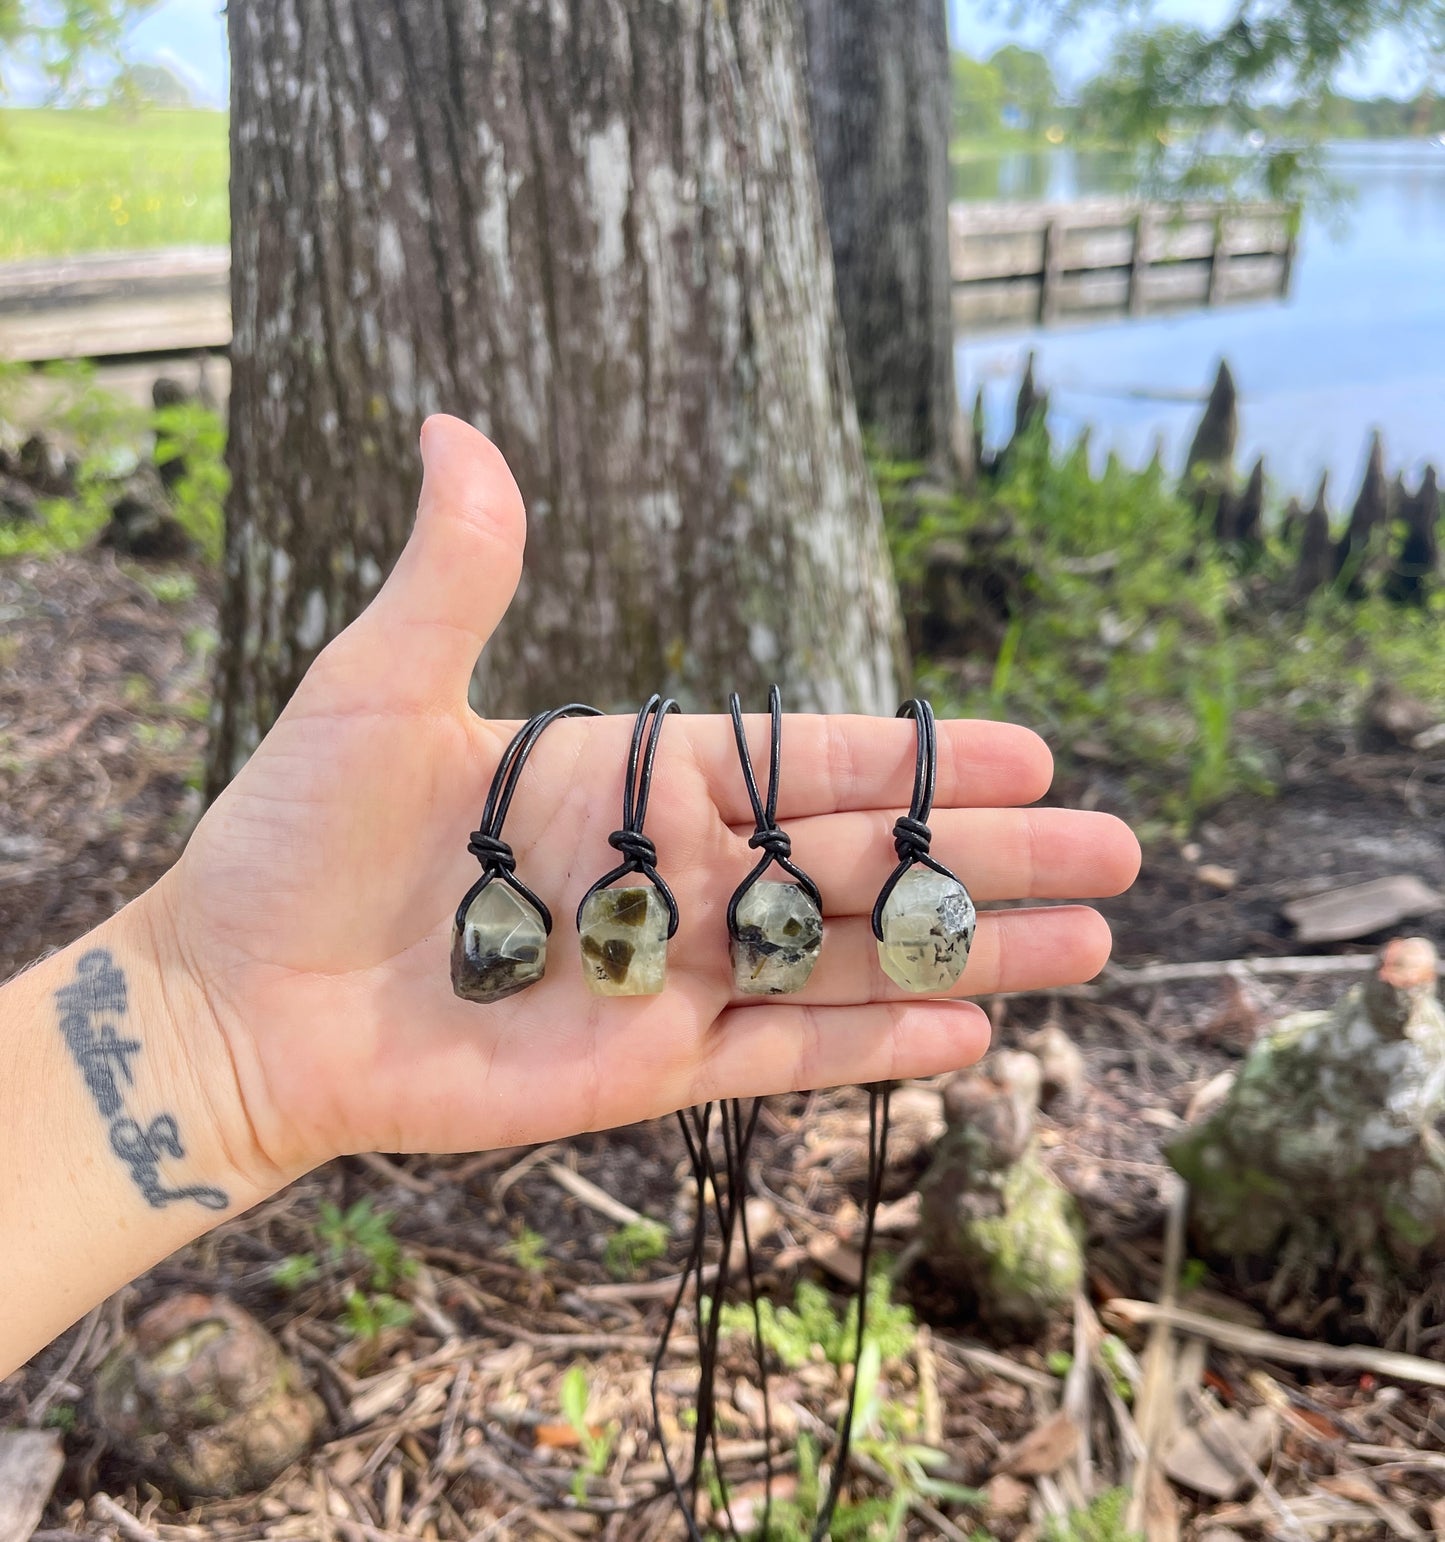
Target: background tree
(76, 47)
(595, 231)
(977, 95)
(1183, 92)
(1026, 83)
(879, 84)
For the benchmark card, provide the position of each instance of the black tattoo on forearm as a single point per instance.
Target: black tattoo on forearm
(91, 1009)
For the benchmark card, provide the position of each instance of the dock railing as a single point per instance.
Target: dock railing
(1024, 263)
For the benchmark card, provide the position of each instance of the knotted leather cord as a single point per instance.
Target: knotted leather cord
(485, 842)
(911, 835)
(638, 853)
(768, 836)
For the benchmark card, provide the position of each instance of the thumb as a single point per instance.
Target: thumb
(459, 570)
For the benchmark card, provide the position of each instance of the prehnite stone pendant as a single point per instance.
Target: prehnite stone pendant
(928, 923)
(501, 946)
(624, 942)
(779, 934)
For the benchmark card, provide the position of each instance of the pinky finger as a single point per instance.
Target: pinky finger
(757, 1050)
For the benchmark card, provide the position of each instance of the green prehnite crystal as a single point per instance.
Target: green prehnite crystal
(779, 934)
(624, 942)
(928, 923)
(501, 946)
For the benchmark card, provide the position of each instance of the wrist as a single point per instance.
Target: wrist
(124, 1135)
(173, 993)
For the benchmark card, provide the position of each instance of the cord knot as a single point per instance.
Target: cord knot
(774, 840)
(911, 838)
(634, 847)
(492, 852)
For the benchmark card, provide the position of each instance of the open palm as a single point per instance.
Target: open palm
(315, 900)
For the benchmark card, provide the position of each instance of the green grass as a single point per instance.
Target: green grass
(88, 181)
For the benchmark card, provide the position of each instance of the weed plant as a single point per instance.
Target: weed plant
(1131, 637)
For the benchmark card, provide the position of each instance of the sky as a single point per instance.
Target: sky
(190, 37)
(1390, 68)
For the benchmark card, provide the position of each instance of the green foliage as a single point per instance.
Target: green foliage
(197, 436)
(108, 434)
(82, 181)
(596, 1447)
(71, 43)
(170, 588)
(60, 1416)
(528, 1250)
(1102, 1521)
(1132, 635)
(1027, 83)
(369, 1314)
(633, 1246)
(1112, 1352)
(811, 1328)
(360, 1237)
(1169, 88)
(296, 1270)
(1010, 98)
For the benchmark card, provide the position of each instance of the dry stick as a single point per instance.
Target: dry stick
(122, 1520)
(650, 1290)
(1146, 975)
(394, 1174)
(62, 1377)
(590, 1343)
(597, 1199)
(1289, 1526)
(1272, 1346)
(1076, 1401)
(1156, 1397)
(1170, 974)
(990, 1360)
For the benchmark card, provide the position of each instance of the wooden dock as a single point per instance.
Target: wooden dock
(1013, 264)
(116, 304)
(1029, 263)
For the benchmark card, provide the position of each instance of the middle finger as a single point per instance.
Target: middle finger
(1000, 854)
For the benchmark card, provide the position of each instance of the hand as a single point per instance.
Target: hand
(314, 903)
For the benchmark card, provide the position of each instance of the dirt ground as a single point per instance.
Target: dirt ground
(449, 1426)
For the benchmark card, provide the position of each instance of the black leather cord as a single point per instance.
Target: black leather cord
(911, 835)
(486, 843)
(768, 836)
(878, 1119)
(638, 853)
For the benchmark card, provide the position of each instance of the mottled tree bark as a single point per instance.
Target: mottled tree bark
(878, 81)
(594, 231)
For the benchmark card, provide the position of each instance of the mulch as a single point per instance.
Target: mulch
(450, 1426)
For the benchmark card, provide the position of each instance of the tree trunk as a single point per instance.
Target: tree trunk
(878, 76)
(594, 231)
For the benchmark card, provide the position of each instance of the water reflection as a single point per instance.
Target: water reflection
(1046, 175)
(1359, 343)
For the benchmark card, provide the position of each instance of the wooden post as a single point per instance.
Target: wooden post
(1139, 259)
(1292, 219)
(1218, 259)
(1049, 274)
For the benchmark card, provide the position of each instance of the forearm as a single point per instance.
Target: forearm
(121, 1131)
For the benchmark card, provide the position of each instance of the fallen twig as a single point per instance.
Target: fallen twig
(593, 1197)
(1154, 1407)
(1273, 1346)
(123, 1521)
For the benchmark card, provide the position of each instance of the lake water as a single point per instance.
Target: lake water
(1358, 344)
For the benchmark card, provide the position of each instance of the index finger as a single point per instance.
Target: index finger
(833, 763)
